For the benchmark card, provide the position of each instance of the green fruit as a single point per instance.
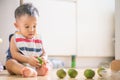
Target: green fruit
(89, 73)
(61, 73)
(40, 60)
(100, 70)
(72, 73)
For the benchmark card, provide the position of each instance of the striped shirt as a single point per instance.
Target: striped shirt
(29, 47)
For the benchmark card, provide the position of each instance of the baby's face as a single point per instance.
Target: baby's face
(26, 25)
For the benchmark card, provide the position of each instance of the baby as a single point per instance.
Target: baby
(26, 45)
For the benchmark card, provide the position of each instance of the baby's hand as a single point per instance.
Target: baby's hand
(33, 62)
(41, 60)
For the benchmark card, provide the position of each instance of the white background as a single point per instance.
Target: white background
(81, 27)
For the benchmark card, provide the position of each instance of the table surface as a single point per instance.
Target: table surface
(52, 76)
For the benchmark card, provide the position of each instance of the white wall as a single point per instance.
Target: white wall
(7, 8)
(96, 28)
(92, 33)
(117, 29)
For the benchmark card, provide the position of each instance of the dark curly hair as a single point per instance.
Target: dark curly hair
(26, 8)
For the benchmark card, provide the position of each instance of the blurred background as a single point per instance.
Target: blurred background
(84, 28)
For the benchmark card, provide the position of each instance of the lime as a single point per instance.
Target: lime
(99, 70)
(40, 60)
(61, 73)
(89, 73)
(72, 72)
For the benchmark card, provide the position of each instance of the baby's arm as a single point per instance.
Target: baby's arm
(44, 56)
(20, 57)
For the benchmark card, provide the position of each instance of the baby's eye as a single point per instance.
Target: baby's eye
(34, 26)
(26, 26)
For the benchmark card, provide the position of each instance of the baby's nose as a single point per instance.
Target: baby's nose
(31, 29)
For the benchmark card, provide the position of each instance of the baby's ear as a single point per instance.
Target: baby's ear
(16, 26)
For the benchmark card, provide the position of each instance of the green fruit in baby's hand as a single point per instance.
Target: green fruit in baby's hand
(40, 60)
(72, 72)
(89, 73)
(100, 69)
(61, 73)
